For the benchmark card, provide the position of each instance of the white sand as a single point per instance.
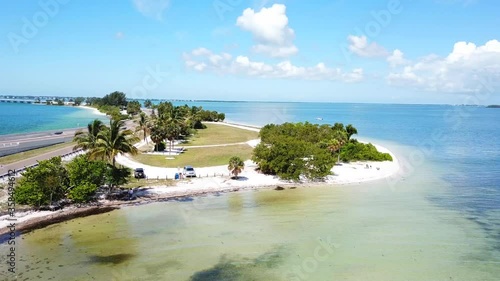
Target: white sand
(356, 172)
(24, 216)
(94, 110)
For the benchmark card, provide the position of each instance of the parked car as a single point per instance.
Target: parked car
(139, 173)
(188, 171)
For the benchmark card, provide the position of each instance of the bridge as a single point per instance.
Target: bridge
(18, 101)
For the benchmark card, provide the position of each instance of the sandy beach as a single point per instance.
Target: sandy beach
(94, 110)
(217, 179)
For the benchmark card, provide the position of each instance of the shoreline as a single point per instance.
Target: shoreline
(95, 111)
(344, 174)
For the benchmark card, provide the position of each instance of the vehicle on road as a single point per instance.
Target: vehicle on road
(139, 173)
(188, 171)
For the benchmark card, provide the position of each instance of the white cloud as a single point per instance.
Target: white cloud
(270, 30)
(359, 46)
(397, 58)
(204, 60)
(152, 8)
(467, 69)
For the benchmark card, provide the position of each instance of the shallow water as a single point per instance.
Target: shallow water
(372, 231)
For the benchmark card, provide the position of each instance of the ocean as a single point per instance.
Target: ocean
(439, 221)
(17, 118)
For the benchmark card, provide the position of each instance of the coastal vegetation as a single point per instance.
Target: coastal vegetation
(493, 106)
(104, 143)
(133, 107)
(303, 150)
(171, 122)
(236, 166)
(51, 180)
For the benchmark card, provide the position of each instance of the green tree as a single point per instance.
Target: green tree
(114, 99)
(82, 170)
(143, 125)
(114, 141)
(43, 184)
(133, 107)
(148, 103)
(79, 100)
(172, 132)
(350, 131)
(87, 140)
(117, 176)
(236, 165)
(356, 151)
(82, 193)
(157, 134)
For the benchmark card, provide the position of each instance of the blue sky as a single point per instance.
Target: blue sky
(391, 51)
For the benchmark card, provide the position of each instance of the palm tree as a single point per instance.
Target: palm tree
(236, 165)
(350, 130)
(143, 125)
(340, 138)
(114, 141)
(157, 133)
(88, 140)
(172, 133)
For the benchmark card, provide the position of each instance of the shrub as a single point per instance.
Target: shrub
(83, 170)
(356, 151)
(43, 184)
(82, 193)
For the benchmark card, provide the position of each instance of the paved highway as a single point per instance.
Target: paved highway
(10, 144)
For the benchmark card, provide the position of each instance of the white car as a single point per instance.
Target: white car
(188, 171)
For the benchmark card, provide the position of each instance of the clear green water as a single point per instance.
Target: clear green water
(356, 232)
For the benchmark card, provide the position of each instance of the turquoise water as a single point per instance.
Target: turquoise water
(439, 221)
(23, 118)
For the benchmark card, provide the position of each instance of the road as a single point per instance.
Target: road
(10, 144)
(33, 160)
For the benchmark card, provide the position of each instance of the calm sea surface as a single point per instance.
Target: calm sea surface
(23, 118)
(439, 220)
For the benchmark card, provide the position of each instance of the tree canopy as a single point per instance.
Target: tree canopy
(43, 184)
(304, 150)
(133, 107)
(236, 166)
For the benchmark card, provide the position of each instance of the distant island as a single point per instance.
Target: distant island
(493, 106)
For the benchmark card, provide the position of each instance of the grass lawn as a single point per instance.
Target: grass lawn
(32, 153)
(220, 134)
(198, 157)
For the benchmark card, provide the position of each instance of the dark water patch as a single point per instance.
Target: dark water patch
(112, 259)
(243, 269)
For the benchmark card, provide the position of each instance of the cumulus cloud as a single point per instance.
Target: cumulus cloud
(152, 8)
(359, 45)
(270, 30)
(465, 70)
(204, 60)
(397, 58)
